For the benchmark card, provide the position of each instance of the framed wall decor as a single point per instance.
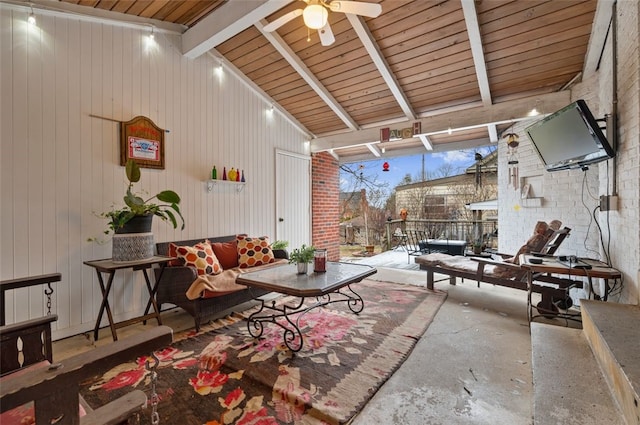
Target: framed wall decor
(142, 141)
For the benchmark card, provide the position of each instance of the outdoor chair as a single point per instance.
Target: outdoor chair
(502, 269)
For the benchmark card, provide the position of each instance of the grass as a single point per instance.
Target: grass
(356, 250)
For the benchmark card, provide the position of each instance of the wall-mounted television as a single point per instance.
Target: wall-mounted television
(570, 138)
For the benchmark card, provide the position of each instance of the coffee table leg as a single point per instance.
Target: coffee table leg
(355, 301)
(291, 329)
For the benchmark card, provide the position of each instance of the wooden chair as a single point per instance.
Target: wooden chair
(29, 374)
(499, 272)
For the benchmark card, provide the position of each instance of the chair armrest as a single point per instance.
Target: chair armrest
(177, 276)
(116, 412)
(492, 262)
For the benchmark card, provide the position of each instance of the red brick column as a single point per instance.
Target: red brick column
(325, 204)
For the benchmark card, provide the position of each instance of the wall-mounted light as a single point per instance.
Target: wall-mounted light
(32, 17)
(152, 35)
(534, 112)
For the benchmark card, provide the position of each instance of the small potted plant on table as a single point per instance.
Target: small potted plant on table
(302, 257)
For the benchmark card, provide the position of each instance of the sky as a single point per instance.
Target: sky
(401, 166)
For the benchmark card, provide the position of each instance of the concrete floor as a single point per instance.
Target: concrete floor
(472, 366)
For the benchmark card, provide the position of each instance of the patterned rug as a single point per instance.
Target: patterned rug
(224, 376)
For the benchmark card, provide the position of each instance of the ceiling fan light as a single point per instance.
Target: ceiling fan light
(315, 16)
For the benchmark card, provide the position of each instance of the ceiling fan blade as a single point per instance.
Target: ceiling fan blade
(371, 10)
(272, 26)
(326, 35)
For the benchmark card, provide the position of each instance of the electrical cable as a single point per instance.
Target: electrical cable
(585, 187)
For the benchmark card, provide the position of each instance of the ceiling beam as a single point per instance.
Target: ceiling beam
(228, 20)
(289, 55)
(396, 153)
(473, 29)
(493, 133)
(357, 22)
(473, 117)
(426, 142)
(374, 150)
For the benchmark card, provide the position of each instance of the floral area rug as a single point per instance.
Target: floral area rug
(224, 376)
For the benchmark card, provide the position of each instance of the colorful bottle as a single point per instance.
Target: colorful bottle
(237, 175)
(214, 173)
(242, 179)
(232, 174)
(224, 173)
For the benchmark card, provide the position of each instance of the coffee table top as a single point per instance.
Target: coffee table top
(286, 280)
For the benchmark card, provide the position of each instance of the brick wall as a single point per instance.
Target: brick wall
(572, 195)
(325, 204)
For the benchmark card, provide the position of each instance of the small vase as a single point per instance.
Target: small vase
(302, 268)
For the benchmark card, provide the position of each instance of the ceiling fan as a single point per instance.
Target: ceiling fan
(316, 13)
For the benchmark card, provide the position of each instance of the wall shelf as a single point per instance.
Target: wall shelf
(531, 202)
(211, 184)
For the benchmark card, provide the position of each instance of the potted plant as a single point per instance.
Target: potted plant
(131, 224)
(280, 246)
(302, 257)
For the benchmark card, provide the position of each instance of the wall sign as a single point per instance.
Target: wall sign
(142, 141)
(387, 134)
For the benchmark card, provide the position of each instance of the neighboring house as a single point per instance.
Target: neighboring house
(446, 198)
(351, 204)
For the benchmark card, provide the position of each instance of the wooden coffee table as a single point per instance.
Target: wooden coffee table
(332, 286)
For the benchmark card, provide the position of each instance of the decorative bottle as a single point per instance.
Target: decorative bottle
(224, 173)
(214, 173)
(238, 175)
(242, 179)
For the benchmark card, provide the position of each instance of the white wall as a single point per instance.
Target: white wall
(572, 195)
(59, 165)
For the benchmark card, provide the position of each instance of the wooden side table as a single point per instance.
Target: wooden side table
(109, 267)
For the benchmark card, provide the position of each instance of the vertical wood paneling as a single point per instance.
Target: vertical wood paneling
(60, 166)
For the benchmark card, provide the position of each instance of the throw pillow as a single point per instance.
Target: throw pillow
(254, 251)
(227, 253)
(201, 257)
(173, 252)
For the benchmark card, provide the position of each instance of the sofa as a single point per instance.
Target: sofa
(183, 286)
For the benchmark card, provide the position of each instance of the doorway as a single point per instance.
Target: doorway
(293, 198)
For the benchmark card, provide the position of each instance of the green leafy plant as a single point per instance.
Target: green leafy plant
(167, 209)
(304, 254)
(280, 245)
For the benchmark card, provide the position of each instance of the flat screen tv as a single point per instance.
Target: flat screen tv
(569, 138)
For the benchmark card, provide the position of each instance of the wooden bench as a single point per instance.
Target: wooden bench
(29, 374)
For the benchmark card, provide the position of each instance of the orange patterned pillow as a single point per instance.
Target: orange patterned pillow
(254, 251)
(201, 257)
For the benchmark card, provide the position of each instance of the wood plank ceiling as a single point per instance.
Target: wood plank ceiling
(473, 67)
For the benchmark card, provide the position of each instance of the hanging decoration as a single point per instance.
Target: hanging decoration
(478, 158)
(385, 166)
(512, 159)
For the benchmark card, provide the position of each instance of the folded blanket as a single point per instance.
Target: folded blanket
(224, 282)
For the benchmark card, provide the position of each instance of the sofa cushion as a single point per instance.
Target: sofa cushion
(200, 256)
(227, 253)
(254, 251)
